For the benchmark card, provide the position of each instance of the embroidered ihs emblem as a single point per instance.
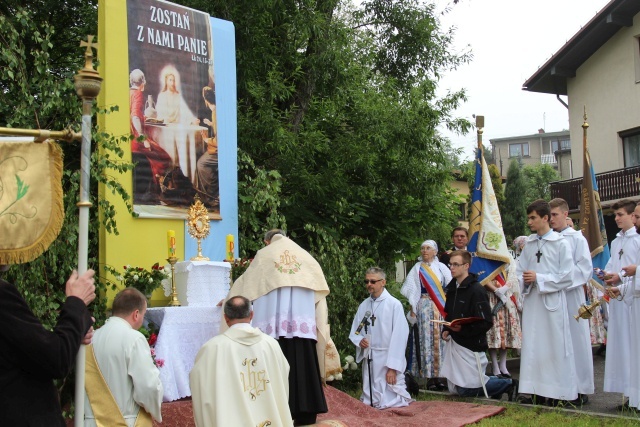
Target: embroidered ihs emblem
(288, 264)
(254, 382)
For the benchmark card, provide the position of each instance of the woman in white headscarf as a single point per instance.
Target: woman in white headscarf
(424, 288)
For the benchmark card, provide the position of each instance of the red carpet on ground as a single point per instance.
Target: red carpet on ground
(353, 413)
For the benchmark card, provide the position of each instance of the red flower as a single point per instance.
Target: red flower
(156, 266)
(124, 268)
(152, 339)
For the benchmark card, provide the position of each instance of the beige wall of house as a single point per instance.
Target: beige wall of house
(608, 85)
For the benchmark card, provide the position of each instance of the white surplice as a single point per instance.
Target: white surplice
(460, 367)
(387, 343)
(632, 285)
(616, 365)
(241, 378)
(124, 359)
(547, 366)
(580, 333)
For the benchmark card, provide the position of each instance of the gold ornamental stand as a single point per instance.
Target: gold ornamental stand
(198, 225)
(174, 293)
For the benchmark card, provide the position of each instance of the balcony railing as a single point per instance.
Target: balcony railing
(548, 159)
(612, 185)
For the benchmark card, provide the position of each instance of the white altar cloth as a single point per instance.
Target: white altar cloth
(183, 330)
(201, 283)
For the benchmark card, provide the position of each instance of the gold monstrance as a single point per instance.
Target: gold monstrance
(198, 223)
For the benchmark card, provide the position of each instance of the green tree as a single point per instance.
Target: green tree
(514, 214)
(337, 123)
(536, 181)
(496, 183)
(36, 89)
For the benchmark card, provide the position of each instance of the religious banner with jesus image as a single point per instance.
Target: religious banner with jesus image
(173, 117)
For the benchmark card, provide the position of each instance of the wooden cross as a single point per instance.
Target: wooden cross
(620, 253)
(373, 320)
(538, 255)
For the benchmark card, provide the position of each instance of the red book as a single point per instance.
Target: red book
(461, 321)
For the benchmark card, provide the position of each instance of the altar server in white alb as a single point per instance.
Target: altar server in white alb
(385, 337)
(629, 291)
(122, 385)
(240, 377)
(624, 252)
(547, 365)
(575, 294)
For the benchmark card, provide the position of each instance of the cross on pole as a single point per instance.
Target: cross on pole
(88, 53)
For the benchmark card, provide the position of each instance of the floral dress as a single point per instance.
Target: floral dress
(431, 347)
(506, 331)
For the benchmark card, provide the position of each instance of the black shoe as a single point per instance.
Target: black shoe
(512, 392)
(504, 376)
(582, 399)
(602, 350)
(624, 407)
(554, 403)
(533, 400)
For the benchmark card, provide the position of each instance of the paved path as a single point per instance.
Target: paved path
(600, 403)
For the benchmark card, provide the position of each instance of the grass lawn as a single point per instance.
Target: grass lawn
(521, 415)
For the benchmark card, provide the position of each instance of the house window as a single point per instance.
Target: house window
(565, 144)
(631, 144)
(554, 146)
(636, 59)
(462, 211)
(519, 150)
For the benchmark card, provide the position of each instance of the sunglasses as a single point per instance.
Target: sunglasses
(373, 282)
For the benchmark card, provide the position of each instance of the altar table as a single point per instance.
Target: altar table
(183, 330)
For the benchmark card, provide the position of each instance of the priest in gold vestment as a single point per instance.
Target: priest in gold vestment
(241, 376)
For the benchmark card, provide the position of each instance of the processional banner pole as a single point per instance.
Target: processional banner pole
(88, 83)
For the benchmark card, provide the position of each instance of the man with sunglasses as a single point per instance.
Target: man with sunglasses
(379, 332)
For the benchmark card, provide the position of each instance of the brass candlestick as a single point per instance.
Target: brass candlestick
(174, 293)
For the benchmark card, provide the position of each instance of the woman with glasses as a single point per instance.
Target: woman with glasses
(424, 288)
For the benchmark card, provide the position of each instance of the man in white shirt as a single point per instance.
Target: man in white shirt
(122, 382)
(382, 341)
(575, 296)
(547, 366)
(241, 376)
(624, 251)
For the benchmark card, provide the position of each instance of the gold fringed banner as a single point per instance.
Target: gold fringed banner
(31, 206)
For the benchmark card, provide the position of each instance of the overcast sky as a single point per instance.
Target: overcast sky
(510, 40)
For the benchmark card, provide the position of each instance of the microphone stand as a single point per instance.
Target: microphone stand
(366, 333)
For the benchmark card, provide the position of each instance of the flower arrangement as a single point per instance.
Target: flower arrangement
(146, 281)
(239, 266)
(350, 363)
(151, 334)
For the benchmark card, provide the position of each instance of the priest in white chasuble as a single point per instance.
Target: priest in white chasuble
(240, 377)
(379, 332)
(547, 365)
